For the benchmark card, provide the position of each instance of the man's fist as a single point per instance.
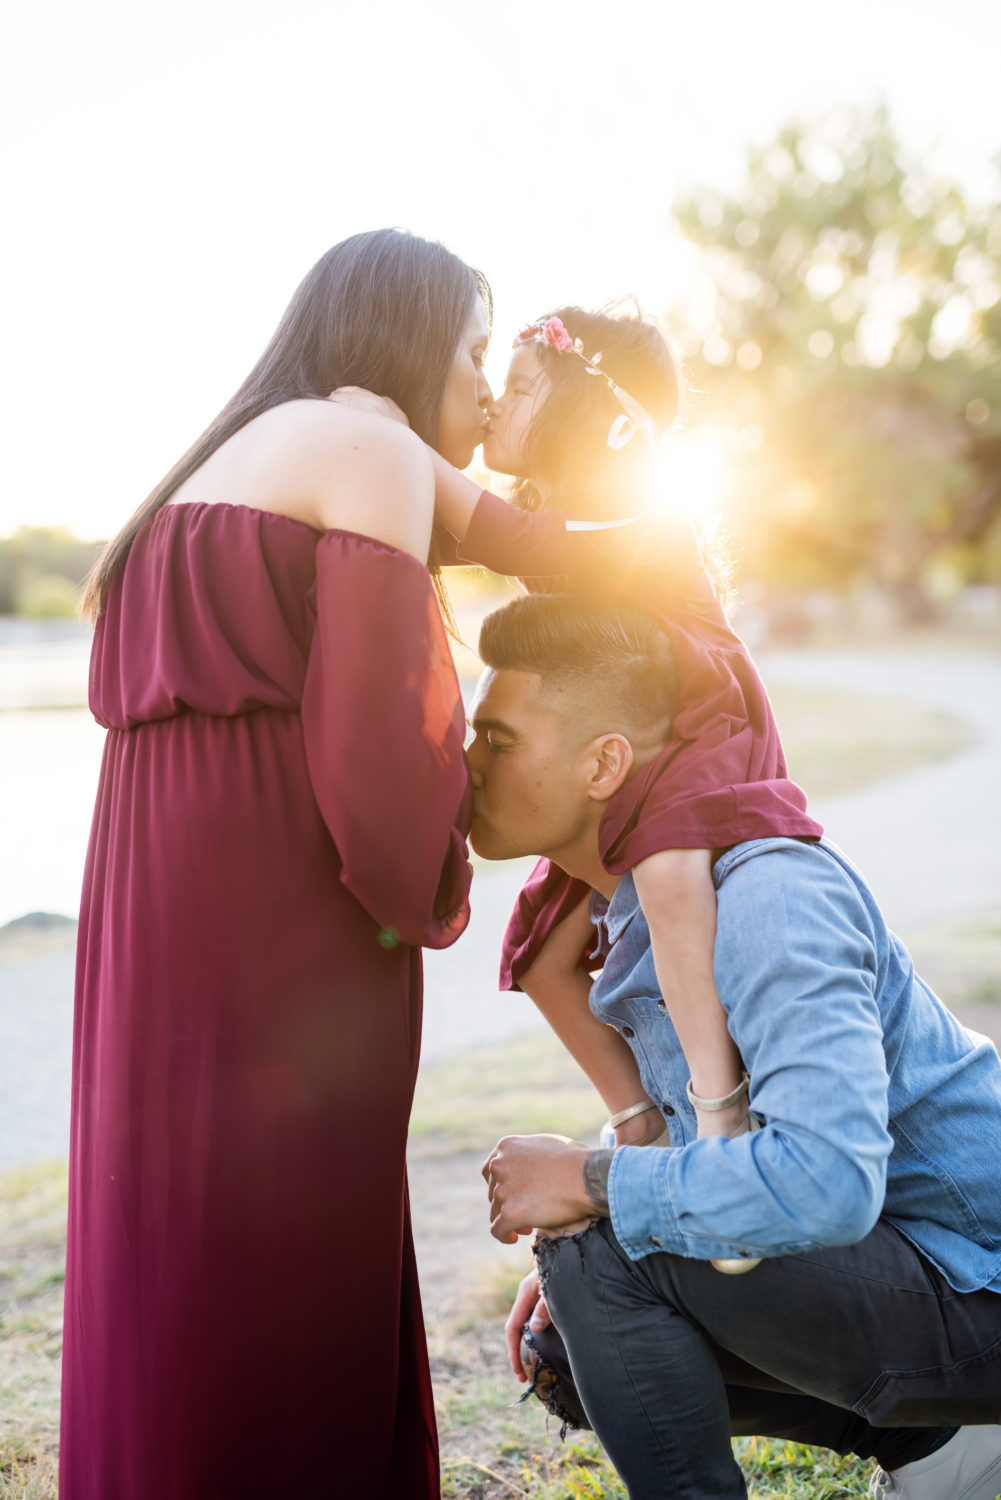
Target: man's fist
(544, 1182)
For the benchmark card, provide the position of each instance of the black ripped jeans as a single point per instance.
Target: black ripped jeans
(863, 1349)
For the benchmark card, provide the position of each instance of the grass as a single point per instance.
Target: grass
(838, 742)
(961, 960)
(32, 1266)
(472, 1099)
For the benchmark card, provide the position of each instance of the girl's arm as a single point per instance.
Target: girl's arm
(456, 496)
(495, 534)
(560, 988)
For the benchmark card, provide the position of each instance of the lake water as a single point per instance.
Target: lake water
(50, 755)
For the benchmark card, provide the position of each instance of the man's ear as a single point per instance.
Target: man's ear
(611, 760)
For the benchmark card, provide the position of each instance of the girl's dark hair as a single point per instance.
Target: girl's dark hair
(567, 438)
(385, 310)
(567, 443)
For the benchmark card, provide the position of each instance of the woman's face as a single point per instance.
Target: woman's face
(462, 422)
(511, 415)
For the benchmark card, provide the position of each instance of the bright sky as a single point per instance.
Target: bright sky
(172, 171)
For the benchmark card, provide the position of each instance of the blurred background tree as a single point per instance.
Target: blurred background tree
(848, 342)
(41, 569)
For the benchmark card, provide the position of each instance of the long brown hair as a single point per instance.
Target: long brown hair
(385, 310)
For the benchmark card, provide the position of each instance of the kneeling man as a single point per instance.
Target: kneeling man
(872, 1192)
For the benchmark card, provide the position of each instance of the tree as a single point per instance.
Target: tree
(41, 569)
(851, 340)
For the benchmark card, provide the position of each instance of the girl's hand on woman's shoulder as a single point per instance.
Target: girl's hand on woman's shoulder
(366, 474)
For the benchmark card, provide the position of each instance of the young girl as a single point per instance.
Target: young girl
(587, 397)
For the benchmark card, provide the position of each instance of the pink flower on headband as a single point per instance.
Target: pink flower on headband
(632, 418)
(551, 332)
(555, 335)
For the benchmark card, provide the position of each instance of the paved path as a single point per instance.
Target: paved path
(927, 842)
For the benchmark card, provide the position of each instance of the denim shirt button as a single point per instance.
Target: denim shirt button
(655, 1241)
(662, 1005)
(667, 1108)
(628, 1031)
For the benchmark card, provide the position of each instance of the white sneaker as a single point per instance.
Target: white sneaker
(967, 1467)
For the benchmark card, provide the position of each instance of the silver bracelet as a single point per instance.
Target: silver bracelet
(628, 1114)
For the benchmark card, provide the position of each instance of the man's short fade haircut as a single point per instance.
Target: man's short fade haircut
(609, 665)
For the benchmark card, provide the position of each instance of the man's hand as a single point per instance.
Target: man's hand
(380, 406)
(529, 1306)
(544, 1182)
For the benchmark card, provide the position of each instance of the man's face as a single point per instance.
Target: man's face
(529, 772)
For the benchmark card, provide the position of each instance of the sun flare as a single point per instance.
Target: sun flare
(691, 473)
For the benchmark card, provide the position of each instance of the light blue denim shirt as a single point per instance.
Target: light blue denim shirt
(875, 1099)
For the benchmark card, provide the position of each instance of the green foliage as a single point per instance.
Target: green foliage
(41, 570)
(851, 342)
(48, 597)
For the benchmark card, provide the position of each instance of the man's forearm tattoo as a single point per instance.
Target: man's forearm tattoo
(596, 1165)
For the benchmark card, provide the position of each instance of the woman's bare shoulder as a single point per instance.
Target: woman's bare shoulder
(331, 465)
(305, 430)
(364, 473)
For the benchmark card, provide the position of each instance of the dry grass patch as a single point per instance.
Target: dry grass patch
(838, 742)
(32, 1269)
(961, 959)
(528, 1085)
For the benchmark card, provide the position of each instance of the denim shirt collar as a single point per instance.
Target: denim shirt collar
(612, 917)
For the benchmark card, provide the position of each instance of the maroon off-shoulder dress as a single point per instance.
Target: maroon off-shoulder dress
(722, 777)
(278, 829)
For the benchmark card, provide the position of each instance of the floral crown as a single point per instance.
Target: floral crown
(633, 418)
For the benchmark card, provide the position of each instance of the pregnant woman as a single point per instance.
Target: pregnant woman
(278, 830)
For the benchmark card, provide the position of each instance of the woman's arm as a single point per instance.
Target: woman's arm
(381, 711)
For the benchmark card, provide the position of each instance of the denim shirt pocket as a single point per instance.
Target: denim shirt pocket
(956, 1242)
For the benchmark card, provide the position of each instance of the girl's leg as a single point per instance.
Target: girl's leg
(676, 892)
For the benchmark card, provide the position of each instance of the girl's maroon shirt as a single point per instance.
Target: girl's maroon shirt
(722, 777)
